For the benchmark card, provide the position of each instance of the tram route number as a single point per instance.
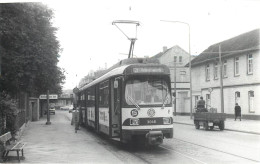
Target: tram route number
(151, 121)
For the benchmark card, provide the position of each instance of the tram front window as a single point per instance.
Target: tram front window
(147, 92)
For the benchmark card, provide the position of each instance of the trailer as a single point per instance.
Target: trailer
(208, 120)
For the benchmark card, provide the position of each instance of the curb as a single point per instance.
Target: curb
(241, 131)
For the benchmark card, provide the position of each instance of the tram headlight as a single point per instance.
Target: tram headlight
(134, 121)
(166, 120)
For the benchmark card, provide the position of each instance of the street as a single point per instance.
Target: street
(58, 143)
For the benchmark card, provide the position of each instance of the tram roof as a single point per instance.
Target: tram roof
(122, 70)
(116, 71)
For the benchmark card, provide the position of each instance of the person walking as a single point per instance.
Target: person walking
(237, 111)
(75, 118)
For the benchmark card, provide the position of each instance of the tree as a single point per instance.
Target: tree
(30, 49)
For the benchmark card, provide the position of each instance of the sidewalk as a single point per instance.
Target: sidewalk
(245, 126)
(58, 143)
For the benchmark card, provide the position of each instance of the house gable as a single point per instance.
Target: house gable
(167, 57)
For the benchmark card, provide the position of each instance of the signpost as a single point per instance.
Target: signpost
(48, 111)
(44, 97)
(48, 97)
(210, 90)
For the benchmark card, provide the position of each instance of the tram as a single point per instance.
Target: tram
(131, 101)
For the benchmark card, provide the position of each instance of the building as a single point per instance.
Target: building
(240, 60)
(176, 58)
(65, 99)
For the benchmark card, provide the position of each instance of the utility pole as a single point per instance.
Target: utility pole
(175, 87)
(221, 81)
(48, 112)
(190, 75)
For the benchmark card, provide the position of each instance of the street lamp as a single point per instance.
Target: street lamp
(189, 63)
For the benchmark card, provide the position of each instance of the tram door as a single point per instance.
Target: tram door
(115, 106)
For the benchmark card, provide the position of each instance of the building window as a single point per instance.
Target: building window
(175, 59)
(216, 71)
(250, 64)
(236, 66)
(208, 101)
(182, 72)
(237, 97)
(196, 100)
(207, 72)
(180, 59)
(225, 68)
(251, 96)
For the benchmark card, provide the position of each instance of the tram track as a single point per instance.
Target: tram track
(202, 146)
(148, 156)
(182, 154)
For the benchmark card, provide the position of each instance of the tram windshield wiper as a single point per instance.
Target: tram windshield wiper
(132, 101)
(165, 99)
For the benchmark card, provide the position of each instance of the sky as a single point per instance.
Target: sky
(90, 41)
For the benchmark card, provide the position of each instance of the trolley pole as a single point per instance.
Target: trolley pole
(132, 40)
(48, 112)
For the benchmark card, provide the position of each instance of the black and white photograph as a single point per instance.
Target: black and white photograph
(130, 81)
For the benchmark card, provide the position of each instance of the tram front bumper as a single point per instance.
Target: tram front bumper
(154, 137)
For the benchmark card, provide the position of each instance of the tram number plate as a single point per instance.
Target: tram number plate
(151, 121)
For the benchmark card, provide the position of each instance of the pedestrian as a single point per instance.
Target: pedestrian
(237, 111)
(75, 115)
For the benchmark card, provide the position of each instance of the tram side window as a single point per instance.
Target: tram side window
(90, 97)
(103, 94)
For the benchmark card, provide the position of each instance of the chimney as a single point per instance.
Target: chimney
(164, 49)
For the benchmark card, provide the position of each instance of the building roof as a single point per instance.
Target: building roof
(246, 42)
(157, 55)
(162, 53)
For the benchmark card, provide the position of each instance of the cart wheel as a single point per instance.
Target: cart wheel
(211, 127)
(197, 125)
(205, 125)
(221, 125)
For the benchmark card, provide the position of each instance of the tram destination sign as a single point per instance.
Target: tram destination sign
(148, 69)
(50, 97)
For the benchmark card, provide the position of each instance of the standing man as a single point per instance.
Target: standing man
(237, 112)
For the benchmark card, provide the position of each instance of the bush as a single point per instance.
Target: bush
(8, 113)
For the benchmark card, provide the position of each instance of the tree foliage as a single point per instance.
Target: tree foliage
(29, 49)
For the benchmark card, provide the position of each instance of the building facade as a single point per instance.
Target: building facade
(240, 75)
(176, 58)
